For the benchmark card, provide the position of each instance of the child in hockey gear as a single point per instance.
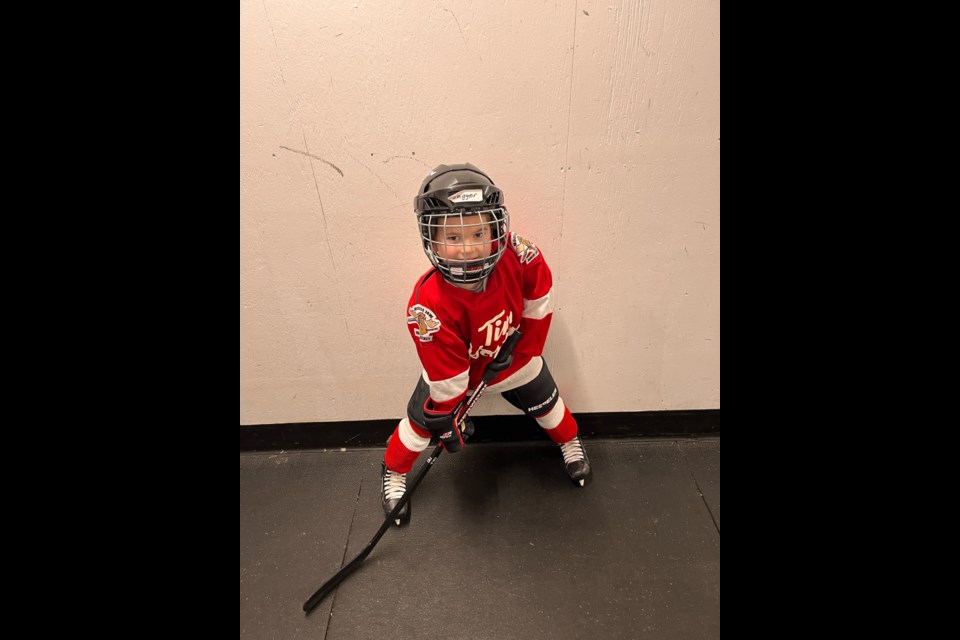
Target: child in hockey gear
(486, 281)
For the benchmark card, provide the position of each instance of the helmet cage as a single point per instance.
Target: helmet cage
(435, 227)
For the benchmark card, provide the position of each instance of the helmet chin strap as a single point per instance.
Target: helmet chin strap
(477, 286)
(454, 272)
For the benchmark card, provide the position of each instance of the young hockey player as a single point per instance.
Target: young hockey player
(486, 282)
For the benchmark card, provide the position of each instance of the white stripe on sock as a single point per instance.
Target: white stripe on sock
(410, 438)
(555, 417)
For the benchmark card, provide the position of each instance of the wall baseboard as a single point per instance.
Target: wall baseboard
(513, 428)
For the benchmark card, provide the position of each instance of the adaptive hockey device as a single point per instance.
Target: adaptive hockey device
(500, 363)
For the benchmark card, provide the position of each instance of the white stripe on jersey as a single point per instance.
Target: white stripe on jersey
(539, 308)
(443, 390)
(518, 378)
(552, 419)
(410, 438)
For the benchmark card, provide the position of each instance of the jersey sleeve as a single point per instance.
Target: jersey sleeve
(446, 366)
(537, 291)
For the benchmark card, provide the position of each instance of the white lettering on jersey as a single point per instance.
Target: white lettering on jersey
(493, 329)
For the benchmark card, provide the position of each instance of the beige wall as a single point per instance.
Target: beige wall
(601, 122)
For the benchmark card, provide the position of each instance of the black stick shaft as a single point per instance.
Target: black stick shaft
(350, 567)
(502, 359)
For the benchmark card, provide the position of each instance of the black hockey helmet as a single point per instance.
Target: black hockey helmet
(457, 191)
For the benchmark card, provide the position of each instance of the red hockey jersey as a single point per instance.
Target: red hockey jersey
(458, 332)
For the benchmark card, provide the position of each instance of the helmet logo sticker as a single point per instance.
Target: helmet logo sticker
(426, 321)
(526, 250)
(467, 195)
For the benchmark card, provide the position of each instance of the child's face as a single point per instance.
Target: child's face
(457, 240)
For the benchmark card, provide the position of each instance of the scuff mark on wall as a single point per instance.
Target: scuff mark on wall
(275, 47)
(377, 176)
(323, 215)
(408, 158)
(450, 11)
(307, 153)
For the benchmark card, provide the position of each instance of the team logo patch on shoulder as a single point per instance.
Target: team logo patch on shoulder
(426, 321)
(526, 250)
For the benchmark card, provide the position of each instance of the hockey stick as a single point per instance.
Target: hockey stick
(488, 375)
